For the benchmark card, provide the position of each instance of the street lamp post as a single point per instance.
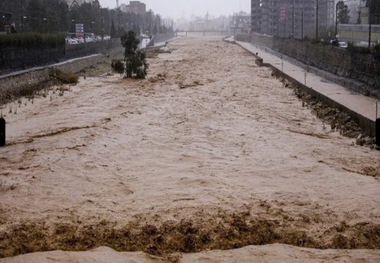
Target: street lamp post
(302, 33)
(336, 19)
(369, 24)
(22, 15)
(316, 21)
(293, 19)
(317, 17)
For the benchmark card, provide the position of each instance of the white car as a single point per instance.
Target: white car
(343, 45)
(89, 39)
(80, 40)
(71, 41)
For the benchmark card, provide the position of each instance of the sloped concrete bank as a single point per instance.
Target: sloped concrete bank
(367, 125)
(33, 78)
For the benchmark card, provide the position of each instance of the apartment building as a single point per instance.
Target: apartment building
(292, 18)
(240, 23)
(134, 7)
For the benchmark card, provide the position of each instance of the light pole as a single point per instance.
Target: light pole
(302, 33)
(369, 24)
(317, 17)
(336, 19)
(22, 15)
(316, 21)
(293, 19)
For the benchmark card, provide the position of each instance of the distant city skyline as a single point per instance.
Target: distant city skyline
(186, 8)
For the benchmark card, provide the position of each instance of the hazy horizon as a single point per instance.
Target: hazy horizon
(186, 8)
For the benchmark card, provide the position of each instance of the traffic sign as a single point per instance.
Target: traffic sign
(79, 28)
(8, 16)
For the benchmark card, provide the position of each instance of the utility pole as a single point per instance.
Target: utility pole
(293, 19)
(336, 20)
(370, 24)
(302, 33)
(22, 15)
(316, 21)
(118, 18)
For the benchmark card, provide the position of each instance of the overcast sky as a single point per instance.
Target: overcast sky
(180, 8)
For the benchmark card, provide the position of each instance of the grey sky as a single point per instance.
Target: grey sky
(179, 8)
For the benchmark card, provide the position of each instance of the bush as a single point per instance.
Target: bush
(64, 77)
(118, 66)
(355, 49)
(376, 51)
(32, 40)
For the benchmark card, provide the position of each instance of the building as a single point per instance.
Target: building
(76, 2)
(240, 23)
(134, 7)
(292, 18)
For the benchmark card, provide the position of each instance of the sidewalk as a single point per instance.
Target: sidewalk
(363, 105)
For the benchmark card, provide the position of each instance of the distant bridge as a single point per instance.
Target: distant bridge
(203, 32)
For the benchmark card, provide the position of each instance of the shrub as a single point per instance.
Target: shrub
(355, 49)
(118, 66)
(376, 51)
(64, 77)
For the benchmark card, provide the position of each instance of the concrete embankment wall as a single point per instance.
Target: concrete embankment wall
(12, 59)
(368, 125)
(162, 38)
(363, 69)
(20, 58)
(30, 78)
(75, 51)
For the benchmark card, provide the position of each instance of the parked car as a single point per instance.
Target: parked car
(89, 39)
(343, 44)
(71, 41)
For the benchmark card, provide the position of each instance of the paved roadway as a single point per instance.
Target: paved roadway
(365, 106)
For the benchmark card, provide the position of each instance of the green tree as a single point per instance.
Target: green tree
(90, 15)
(343, 13)
(136, 65)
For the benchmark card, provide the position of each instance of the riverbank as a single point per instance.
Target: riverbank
(193, 158)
